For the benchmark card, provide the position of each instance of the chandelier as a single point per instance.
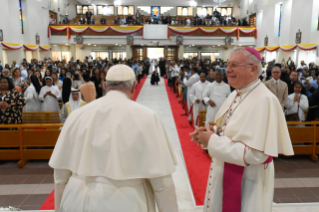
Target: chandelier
(218, 1)
(193, 3)
(117, 3)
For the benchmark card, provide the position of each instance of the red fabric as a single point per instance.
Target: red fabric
(233, 175)
(269, 160)
(127, 33)
(48, 203)
(196, 159)
(44, 49)
(29, 48)
(10, 47)
(183, 33)
(307, 49)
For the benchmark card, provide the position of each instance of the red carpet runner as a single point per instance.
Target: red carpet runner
(196, 159)
(49, 202)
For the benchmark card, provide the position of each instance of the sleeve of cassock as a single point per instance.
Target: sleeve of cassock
(61, 178)
(192, 96)
(165, 195)
(223, 148)
(206, 94)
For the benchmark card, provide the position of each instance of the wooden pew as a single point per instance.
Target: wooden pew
(30, 143)
(41, 117)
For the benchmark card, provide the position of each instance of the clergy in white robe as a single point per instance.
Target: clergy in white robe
(74, 103)
(31, 95)
(189, 81)
(196, 97)
(49, 96)
(250, 130)
(297, 102)
(105, 160)
(214, 96)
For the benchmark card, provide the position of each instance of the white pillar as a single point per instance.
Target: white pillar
(73, 52)
(180, 52)
(128, 52)
(1, 56)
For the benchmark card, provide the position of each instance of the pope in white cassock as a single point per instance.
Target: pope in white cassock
(250, 130)
(105, 160)
(197, 98)
(214, 96)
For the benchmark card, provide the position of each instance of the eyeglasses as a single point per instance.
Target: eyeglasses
(235, 65)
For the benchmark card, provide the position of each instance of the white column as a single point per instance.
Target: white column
(1, 56)
(128, 51)
(73, 51)
(36, 54)
(180, 52)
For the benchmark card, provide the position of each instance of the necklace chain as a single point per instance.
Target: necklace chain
(229, 113)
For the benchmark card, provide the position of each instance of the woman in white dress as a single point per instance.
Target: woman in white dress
(297, 102)
(50, 94)
(31, 95)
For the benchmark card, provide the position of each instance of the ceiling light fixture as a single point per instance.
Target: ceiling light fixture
(117, 3)
(89, 44)
(218, 1)
(218, 45)
(193, 4)
(94, 45)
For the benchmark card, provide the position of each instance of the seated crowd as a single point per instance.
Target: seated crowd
(41, 85)
(203, 86)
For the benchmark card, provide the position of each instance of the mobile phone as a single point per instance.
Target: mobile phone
(300, 75)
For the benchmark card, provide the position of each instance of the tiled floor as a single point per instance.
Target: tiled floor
(26, 188)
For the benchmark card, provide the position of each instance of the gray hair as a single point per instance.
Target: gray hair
(251, 58)
(274, 68)
(126, 85)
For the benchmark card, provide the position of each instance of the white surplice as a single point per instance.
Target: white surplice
(292, 106)
(113, 155)
(217, 92)
(197, 93)
(49, 102)
(31, 99)
(254, 131)
(189, 83)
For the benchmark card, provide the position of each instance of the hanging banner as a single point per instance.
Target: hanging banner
(57, 29)
(182, 30)
(126, 30)
(288, 48)
(272, 48)
(308, 47)
(99, 28)
(12, 46)
(208, 30)
(79, 29)
(248, 31)
(31, 47)
(45, 48)
(260, 49)
(228, 30)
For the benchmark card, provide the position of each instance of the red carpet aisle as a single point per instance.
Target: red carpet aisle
(196, 159)
(49, 202)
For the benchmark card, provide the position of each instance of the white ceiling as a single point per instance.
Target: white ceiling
(156, 2)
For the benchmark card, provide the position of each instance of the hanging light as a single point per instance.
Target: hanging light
(218, 1)
(117, 3)
(193, 4)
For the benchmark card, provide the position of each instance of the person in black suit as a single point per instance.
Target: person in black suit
(129, 19)
(117, 21)
(149, 20)
(66, 19)
(198, 22)
(313, 113)
(138, 14)
(103, 20)
(88, 15)
(82, 20)
(162, 64)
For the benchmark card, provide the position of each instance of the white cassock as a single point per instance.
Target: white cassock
(189, 83)
(197, 93)
(49, 102)
(253, 133)
(31, 99)
(292, 106)
(113, 155)
(217, 92)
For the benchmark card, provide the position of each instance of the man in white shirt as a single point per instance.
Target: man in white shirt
(52, 20)
(175, 73)
(214, 95)
(196, 97)
(302, 65)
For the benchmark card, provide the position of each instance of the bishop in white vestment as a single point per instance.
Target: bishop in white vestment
(105, 160)
(196, 96)
(214, 96)
(250, 130)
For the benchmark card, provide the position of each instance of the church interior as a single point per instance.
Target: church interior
(74, 42)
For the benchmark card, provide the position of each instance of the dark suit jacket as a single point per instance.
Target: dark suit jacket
(103, 21)
(313, 112)
(82, 21)
(88, 14)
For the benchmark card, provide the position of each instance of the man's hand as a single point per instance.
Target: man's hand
(197, 101)
(211, 103)
(202, 134)
(4, 105)
(308, 83)
(203, 102)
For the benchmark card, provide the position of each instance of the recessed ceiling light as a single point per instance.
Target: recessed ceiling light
(66, 44)
(94, 45)
(120, 45)
(213, 46)
(193, 45)
(116, 44)
(218, 45)
(89, 44)
(239, 44)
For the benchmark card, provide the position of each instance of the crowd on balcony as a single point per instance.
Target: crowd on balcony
(216, 19)
(41, 85)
